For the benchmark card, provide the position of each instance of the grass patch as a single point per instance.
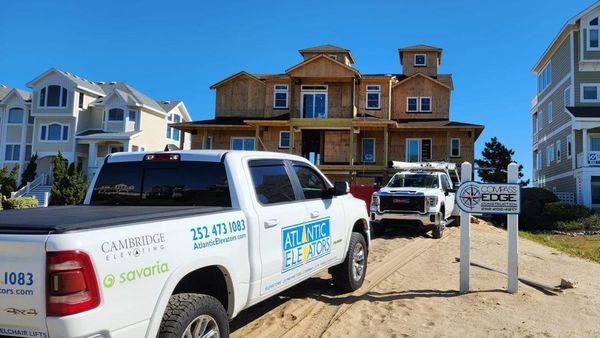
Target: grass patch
(587, 247)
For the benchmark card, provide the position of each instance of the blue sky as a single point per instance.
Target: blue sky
(174, 50)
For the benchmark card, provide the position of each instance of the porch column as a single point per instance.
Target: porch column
(181, 139)
(573, 149)
(205, 139)
(585, 145)
(352, 97)
(385, 145)
(291, 148)
(92, 154)
(257, 137)
(351, 148)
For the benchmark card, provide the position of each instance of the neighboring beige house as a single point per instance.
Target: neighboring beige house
(566, 112)
(85, 120)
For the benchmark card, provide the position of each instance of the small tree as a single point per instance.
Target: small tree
(69, 185)
(30, 171)
(495, 161)
(9, 183)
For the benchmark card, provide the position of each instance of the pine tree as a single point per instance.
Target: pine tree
(69, 184)
(30, 171)
(9, 183)
(495, 161)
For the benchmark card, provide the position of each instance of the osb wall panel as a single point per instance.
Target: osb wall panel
(418, 87)
(339, 97)
(379, 143)
(409, 69)
(240, 97)
(322, 67)
(337, 144)
(221, 138)
(440, 147)
(269, 96)
(384, 110)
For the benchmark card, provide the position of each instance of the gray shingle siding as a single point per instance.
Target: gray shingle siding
(560, 66)
(582, 77)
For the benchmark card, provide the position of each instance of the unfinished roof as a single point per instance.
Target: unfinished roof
(421, 48)
(235, 76)
(327, 49)
(322, 57)
(445, 80)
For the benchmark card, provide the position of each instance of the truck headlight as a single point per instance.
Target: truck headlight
(375, 200)
(432, 200)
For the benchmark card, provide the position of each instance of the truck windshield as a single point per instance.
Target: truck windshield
(162, 183)
(414, 181)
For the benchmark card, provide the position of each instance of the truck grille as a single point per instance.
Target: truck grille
(402, 203)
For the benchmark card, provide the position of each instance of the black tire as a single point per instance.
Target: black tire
(456, 222)
(377, 229)
(344, 277)
(438, 231)
(186, 307)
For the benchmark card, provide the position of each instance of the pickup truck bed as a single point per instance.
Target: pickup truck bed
(73, 218)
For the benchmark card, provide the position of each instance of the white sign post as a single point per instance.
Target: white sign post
(513, 237)
(488, 198)
(465, 235)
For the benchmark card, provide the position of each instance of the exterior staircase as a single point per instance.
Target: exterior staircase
(37, 188)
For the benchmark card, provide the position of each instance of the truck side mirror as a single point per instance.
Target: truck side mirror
(341, 188)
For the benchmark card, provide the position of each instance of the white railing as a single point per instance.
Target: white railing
(40, 180)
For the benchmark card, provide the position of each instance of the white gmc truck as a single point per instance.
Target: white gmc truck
(421, 195)
(175, 244)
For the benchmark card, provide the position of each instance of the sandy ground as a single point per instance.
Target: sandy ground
(411, 290)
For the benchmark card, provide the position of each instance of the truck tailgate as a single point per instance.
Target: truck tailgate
(22, 285)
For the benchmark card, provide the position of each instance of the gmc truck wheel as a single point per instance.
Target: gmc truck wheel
(190, 315)
(438, 230)
(350, 275)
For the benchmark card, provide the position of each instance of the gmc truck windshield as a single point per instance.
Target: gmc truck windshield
(414, 181)
(162, 183)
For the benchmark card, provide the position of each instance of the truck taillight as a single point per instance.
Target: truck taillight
(71, 285)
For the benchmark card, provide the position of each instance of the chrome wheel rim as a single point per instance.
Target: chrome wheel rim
(358, 262)
(203, 326)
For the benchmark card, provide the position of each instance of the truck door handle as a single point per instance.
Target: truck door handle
(271, 223)
(315, 214)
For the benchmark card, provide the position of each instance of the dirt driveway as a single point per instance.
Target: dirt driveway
(411, 290)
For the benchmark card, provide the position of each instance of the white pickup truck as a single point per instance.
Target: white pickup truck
(419, 194)
(175, 244)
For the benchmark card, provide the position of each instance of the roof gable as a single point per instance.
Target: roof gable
(426, 77)
(235, 76)
(76, 80)
(18, 93)
(327, 48)
(322, 66)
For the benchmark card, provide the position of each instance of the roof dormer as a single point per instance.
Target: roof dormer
(337, 53)
(420, 59)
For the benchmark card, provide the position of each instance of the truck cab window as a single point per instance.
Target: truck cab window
(313, 185)
(271, 182)
(162, 183)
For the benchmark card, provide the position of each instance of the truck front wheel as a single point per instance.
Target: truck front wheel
(350, 275)
(194, 315)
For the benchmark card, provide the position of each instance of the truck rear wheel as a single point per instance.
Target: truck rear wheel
(194, 315)
(350, 275)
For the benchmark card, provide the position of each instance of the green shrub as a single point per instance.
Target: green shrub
(591, 222)
(20, 203)
(533, 201)
(559, 212)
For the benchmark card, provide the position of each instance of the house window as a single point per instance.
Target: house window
(117, 149)
(173, 133)
(242, 143)
(536, 164)
(558, 151)
(412, 104)
(545, 77)
(593, 34)
(132, 115)
(368, 155)
(595, 189)
(373, 96)
(280, 96)
(81, 98)
(569, 145)
(549, 155)
(333, 56)
(589, 92)
(27, 152)
(567, 97)
(539, 120)
(53, 96)
(455, 147)
(420, 60)
(538, 160)
(116, 114)
(15, 116)
(209, 142)
(13, 152)
(284, 139)
(54, 132)
(314, 101)
(418, 150)
(425, 104)
(535, 123)
(549, 112)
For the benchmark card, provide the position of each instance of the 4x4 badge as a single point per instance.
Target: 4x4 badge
(27, 312)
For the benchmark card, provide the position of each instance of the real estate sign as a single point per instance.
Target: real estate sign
(489, 198)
